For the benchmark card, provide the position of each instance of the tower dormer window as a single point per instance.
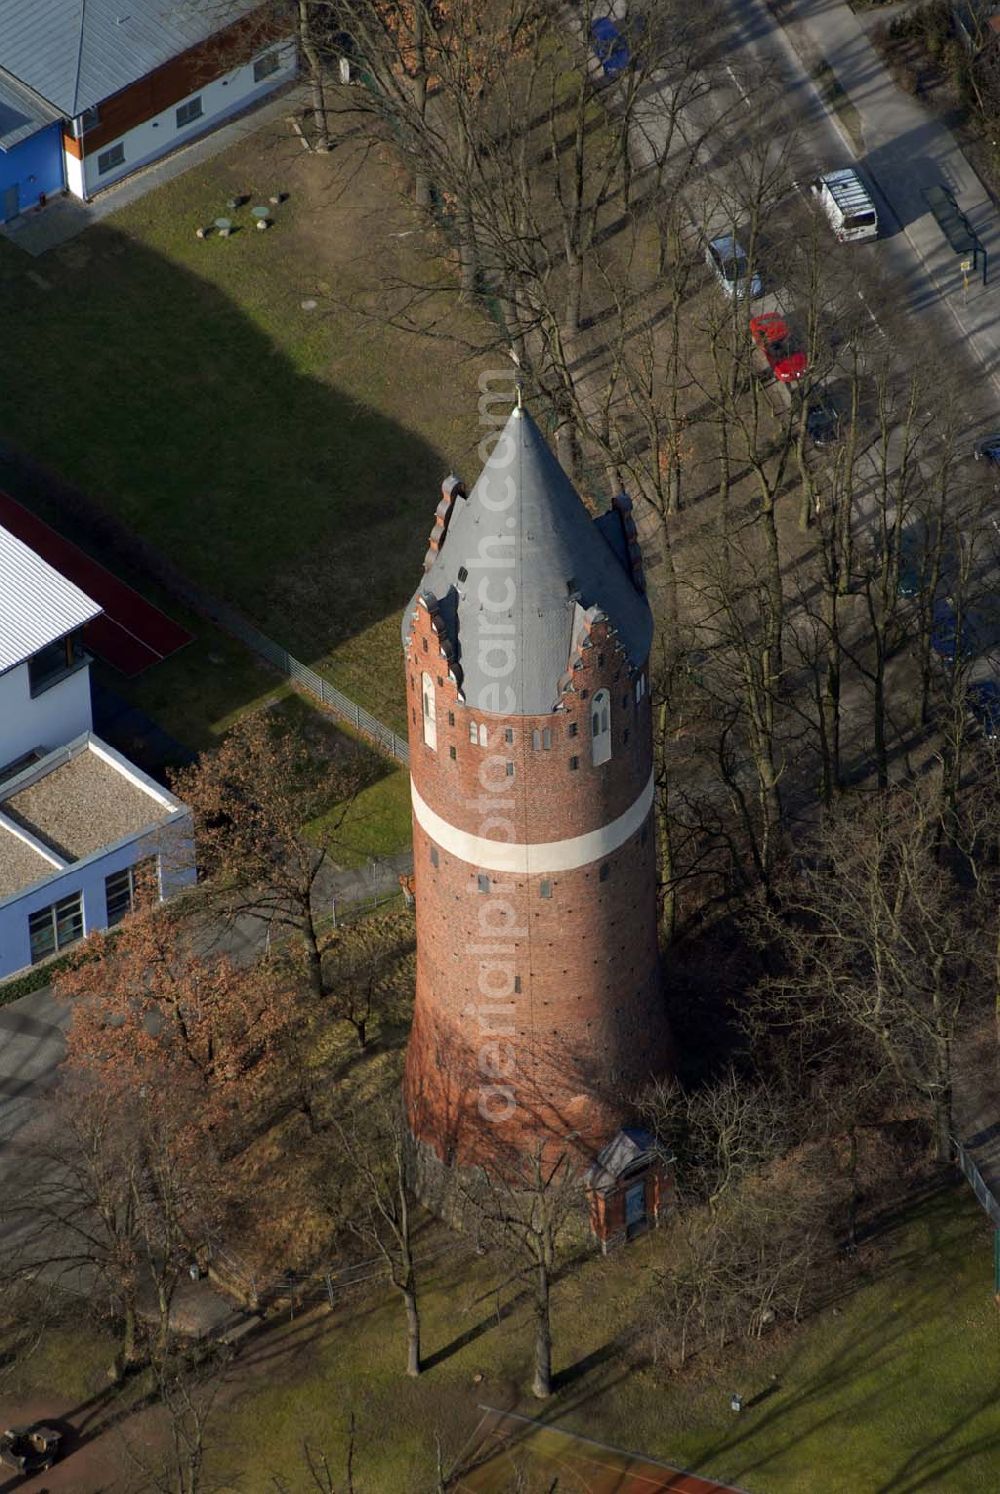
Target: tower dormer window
(430, 713)
(600, 727)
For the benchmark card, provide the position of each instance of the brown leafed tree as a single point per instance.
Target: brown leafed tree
(210, 1037)
(252, 799)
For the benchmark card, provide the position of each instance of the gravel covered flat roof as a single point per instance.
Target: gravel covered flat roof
(20, 864)
(81, 805)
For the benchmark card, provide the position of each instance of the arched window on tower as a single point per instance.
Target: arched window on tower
(430, 712)
(600, 728)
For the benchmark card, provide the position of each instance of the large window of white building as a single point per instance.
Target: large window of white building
(107, 160)
(124, 889)
(56, 927)
(189, 112)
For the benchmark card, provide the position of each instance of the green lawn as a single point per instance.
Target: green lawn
(378, 821)
(288, 460)
(896, 1387)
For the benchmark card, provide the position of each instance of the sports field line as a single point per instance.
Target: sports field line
(685, 1481)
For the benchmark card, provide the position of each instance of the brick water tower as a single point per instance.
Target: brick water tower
(538, 1011)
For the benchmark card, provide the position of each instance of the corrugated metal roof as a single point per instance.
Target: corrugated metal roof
(77, 53)
(22, 113)
(37, 604)
(521, 559)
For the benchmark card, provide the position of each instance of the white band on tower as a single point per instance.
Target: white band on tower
(538, 857)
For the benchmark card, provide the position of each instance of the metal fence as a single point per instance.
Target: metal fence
(332, 1282)
(383, 884)
(293, 669)
(329, 1282)
(977, 1182)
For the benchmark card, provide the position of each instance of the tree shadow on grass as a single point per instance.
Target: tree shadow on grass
(572, 1374)
(462, 1341)
(876, 1346)
(932, 1464)
(224, 465)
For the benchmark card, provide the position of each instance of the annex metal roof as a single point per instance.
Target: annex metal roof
(630, 1148)
(22, 112)
(521, 561)
(37, 604)
(77, 53)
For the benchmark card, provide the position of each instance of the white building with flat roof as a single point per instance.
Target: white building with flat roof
(81, 828)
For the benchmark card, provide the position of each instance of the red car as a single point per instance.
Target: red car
(770, 332)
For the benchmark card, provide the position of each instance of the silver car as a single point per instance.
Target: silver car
(728, 262)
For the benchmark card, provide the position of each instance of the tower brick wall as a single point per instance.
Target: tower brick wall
(538, 1010)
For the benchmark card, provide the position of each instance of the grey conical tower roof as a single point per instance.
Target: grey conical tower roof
(521, 562)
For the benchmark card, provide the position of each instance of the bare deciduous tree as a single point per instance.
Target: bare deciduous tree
(377, 1203)
(110, 1208)
(880, 935)
(526, 1209)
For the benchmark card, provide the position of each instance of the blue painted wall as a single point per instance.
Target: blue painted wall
(36, 165)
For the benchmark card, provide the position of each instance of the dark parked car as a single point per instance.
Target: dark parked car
(951, 643)
(823, 423)
(29, 1450)
(913, 545)
(983, 701)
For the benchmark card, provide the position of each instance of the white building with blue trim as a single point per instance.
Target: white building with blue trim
(81, 828)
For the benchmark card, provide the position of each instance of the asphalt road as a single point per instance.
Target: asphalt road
(32, 1044)
(901, 148)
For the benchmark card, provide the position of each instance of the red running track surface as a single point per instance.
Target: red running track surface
(506, 1441)
(132, 634)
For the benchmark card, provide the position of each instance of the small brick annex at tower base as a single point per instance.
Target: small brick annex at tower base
(539, 1012)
